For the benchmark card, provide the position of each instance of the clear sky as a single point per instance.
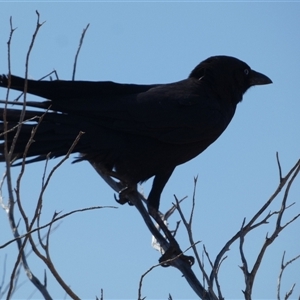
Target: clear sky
(161, 42)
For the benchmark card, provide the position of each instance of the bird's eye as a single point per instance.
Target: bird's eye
(246, 71)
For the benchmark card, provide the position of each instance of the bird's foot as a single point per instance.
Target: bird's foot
(123, 195)
(172, 252)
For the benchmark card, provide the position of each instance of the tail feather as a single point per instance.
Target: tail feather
(50, 136)
(96, 108)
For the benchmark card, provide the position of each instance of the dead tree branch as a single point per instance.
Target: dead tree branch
(78, 50)
(250, 275)
(283, 267)
(8, 156)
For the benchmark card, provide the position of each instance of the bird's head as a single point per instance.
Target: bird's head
(229, 75)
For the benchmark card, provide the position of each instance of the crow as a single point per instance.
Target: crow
(132, 132)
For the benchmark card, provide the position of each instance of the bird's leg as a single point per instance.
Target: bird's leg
(104, 173)
(174, 248)
(126, 189)
(153, 203)
(123, 186)
(124, 192)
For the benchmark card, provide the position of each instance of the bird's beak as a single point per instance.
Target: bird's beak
(258, 78)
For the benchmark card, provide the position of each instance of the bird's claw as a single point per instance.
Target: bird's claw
(123, 199)
(171, 253)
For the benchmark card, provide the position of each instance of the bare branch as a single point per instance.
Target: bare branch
(3, 275)
(194, 201)
(57, 218)
(283, 267)
(250, 276)
(155, 266)
(189, 231)
(142, 278)
(78, 50)
(279, 167)
(210, 293)
(15, 127)
(8, 156)
(251, 224)
(49, 75)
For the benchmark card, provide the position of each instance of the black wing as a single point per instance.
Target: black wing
(180, 113)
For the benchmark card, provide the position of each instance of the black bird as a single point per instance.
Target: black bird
(133, 132)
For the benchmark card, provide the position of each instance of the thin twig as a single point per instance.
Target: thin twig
(250, 276)
(78, 50)
(190, 234)
(53, 221)
(8, 155)
(155, 266)
(250, 225)
(279, 167)
(283, 266)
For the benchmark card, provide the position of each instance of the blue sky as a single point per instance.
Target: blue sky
(161, 42)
